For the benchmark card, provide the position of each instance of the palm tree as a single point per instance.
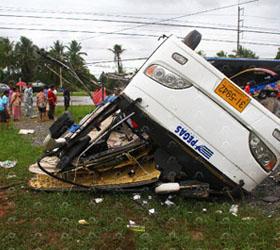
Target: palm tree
(74, 55)
(7, 58)
(118, 50)
(26, 58)
(57, 52)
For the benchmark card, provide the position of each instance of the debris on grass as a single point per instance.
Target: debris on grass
(151, 211)
(271, 199)
(11, 176)
(131, 222)
(83, 222)
(234, 209)
(169, 203)
(134, 227)
(8, 164)
(136, 197)
(248, 218)
(218, 211)
(98, 200)
(204, 210)
(26, 131)
(145, 202)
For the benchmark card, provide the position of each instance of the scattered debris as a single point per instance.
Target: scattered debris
(8, 164)
(26, 131)
(169, 203)
(136, 197)
(98, 200)
(136, 228)
(248, 218)
(145, 202)
(234, 209)
(131, 222)
(204, 210)
(271, 199)
(151, 211)
(10, 176)
(219, 212)
(149, 197)
(83, 222)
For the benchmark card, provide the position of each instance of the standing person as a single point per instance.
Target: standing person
(4, 109)
(52, 102)
(247, 88)
(66, 95)
(16, 104)
(28, 100)
(41, 103)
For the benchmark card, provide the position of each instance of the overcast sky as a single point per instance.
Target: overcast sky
(262, 15)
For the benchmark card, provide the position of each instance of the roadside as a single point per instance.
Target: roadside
(37, 219)
(266, 196)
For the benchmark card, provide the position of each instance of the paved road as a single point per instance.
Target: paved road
(76, 100)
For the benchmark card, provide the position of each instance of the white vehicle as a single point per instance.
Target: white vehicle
(193, 125)
(204, 113)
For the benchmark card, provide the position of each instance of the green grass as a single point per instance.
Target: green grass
(44, 220)
(75, 93)
(78, 112)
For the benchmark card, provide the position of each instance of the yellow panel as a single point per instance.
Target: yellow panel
(232, 95)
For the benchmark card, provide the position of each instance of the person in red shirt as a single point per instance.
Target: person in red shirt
(52, 102)
(247, 88)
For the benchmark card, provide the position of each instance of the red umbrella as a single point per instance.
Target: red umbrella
(21, 84)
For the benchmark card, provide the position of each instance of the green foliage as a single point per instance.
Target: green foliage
(21, 60)
(221, 53)
(26, 58)
(201, 53)
(241, 53)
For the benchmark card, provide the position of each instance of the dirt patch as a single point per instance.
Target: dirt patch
(5, 204)
(197, 235)
(41, 129)
(113, 240)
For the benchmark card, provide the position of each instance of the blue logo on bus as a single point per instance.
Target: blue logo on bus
(188, 137)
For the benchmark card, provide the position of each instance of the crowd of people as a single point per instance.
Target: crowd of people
(16, 102)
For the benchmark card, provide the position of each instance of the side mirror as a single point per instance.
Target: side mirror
(192, 39)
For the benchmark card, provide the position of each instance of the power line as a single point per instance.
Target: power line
(110, 61)
(181, 16)
(119, 21)
(125, 34)
(145, 24)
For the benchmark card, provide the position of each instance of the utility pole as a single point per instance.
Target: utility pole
(60, 76)
(239, 23)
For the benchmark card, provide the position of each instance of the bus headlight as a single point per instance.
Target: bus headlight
(166, 77)
(262, 153)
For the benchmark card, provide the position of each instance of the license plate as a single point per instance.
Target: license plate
(232, 95)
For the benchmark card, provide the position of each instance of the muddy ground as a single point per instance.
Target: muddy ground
(266, 196)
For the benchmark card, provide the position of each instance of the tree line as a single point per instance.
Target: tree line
(20, 60)
(242, 52)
